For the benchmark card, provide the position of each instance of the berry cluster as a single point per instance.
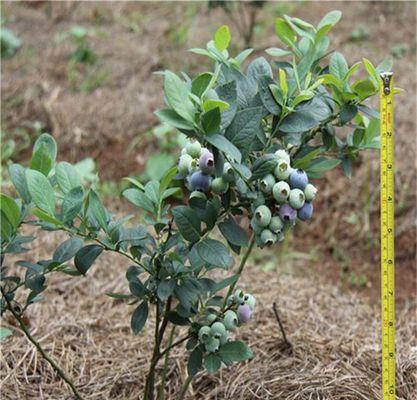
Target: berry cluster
(288, 196)
(196, 165)
(217, 331)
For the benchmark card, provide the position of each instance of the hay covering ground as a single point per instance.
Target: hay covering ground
(335, 343)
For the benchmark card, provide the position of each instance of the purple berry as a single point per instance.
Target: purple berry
(287, 213)
(305, 212)
(200, 181)
(206, 163)
(298, 179)
(244, 313)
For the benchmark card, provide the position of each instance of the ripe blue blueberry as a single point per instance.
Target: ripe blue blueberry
(267, 183)
(244, 313)
(249, 300)
(305, 212)
(219, 185)
(298, 179)
(276, 225)
(206, 163)
(204, 334)
(282, 155)
(212, 345)
(287, 213)
(282, 170)
(228, 172)
(296, 198)
(230, 320)
(193, 149)
(310, 192)
(184, 164)
(262, 216)
(217, 330)
(200, 181)
(281, 191)
(267, 237)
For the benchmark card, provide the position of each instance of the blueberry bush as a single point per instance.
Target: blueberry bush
(256, 136)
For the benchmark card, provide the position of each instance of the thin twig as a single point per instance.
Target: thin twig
(281, 326)
(185, 387)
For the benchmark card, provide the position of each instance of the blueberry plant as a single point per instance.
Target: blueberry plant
(257, 136)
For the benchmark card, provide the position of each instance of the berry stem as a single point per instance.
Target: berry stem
(51, 362)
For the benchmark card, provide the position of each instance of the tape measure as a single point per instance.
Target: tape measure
(387, 236)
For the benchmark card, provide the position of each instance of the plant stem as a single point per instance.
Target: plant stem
(51, 362)
(281, 326)
(161, 393)
(241, 267)
(178, 342)
(185, 387)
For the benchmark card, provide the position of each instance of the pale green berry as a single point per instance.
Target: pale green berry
(194, 149)
(219, 185)
(204, 334)
(256, 228)
(297, 198)
(210, 318)
(212, 345)
(183, 151)
(281, 191)
(249, 300)
(198, 195)
(282, 155)
(228, 172)
(282, 170)
(193, 166)
(230, 300)
(267, 183)
(310, 192)
(267, 237)
(276, 224)
(238, 295)
(224, 339)
(217, 330)
(262, 216)
(184, 164)
(230, 320)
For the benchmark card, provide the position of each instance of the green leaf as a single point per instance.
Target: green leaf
(72, 204)
(42, 215)
(224, 145)
(97, 210)
(139, 199)
(222, 38)
(331, 18)
(46, 140)
(171, 118)
(231, 280)
(135, 182)
(211, 104)
(67, 177)
(195, 362)
(68, 249)
(139, 317)
(187, 222)
(18, 177)
(167, 178)
(276, 52)
(9, 207)
(263, 165)
(165, 289)
(338, 66)
(211, 121)
(304, 161)
(284, 32)
(364, 88)
(323, 165)
(177, 95)
(152, 191)
(212, 363)
(235, 352)
(5, 333)
(347, 113)
(118, 295)
(200, 83)
(86, 256)
(41, 191)
(242, 56)
(233, 233)
(41, 160)
(214, 253)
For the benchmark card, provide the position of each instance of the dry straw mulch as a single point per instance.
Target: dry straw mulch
(335, 340)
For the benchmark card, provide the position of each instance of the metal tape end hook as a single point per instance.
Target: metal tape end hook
(386, 79)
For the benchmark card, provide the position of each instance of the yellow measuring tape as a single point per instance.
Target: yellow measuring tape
(387, 236)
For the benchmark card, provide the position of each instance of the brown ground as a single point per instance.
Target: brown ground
(340, 246)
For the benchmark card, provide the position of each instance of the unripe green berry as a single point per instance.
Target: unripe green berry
(282, 170)
(219, 185)
(276, 225)
(184, 164)
(250, 301)
(217, 330)
(281, 191)
(194, 149)
(267, 237)
(224, 339)
(210, 318)
(198, 195)
(230, 300)
(230, 320)
(228, 173)
(297, 198)
(193, 166)
(267, 183)
(212, 345)
(256, 228)
(262, 216)
(310, 192)
(238, 295)
(282, 155)
(204, 334)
